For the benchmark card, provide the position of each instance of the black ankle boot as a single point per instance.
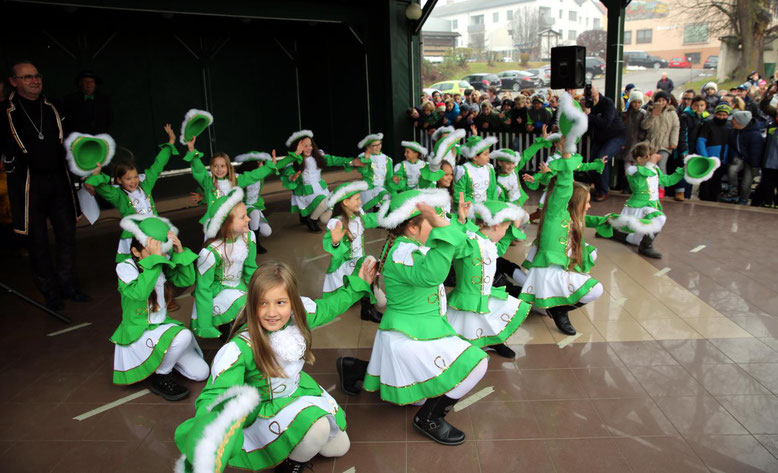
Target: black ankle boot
(291, 466)
(502, 350)
(261, 250)
(164, 385)
(351, 372)
(646, 248)
(369, 312)
(620, 236)
(562, 321)
(312, 225)
(302, 219)
(430, 421)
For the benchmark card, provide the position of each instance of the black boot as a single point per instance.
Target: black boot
(351, 372)
(501, 280)
(302, 219)
(312, 225)
(430, 421)
(502, 350)
(164, 385)
(620, 236)
(369, 312)
(261, 250)
(291, 466)
(562, 321)
(646, 248)
(76, 296)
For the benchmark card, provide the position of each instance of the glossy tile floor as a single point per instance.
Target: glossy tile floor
(676, 369)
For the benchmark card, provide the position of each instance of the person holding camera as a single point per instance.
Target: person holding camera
(607, 135)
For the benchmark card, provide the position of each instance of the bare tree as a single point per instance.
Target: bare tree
(595, 42)
(525, 27)
(750, 22)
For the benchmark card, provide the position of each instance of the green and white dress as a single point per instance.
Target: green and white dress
(268, 431)
(452, 154)
(543, 179)
(479, 312)
(378, 173)
(138, 201)
(478, 183)
(642, 213)
(310, 188)
(509, 188)
(224, 269)
(409, 174)
(143, 337)
(550, 283)
(348, 255)
(416, 353)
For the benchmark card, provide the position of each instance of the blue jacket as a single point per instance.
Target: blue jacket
(452, 114)
(771, 150)
(747, 144)
(712, 140)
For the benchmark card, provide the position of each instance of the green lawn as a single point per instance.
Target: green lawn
(696, 85)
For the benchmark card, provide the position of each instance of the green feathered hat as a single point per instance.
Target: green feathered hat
(495, 212)
(195, 122)
(698, 169)
(443, 130)
(298, 135)
(506, 154)
(476, 145)
(220, 209)
(346, 190)
(369, 139)
(414, 146)
(144, 227)
(571, 121)
(443, 147)
(403, 205)
(84, 152)
(253, 156)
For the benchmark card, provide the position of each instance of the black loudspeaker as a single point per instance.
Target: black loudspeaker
(568, 67)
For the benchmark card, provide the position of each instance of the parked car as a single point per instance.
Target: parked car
(642, 58)
(429, 90)
(452, 86)
(679, 62)
(711, 63)
(519, 80)
(482, 81)
(594, 67)
(543, 74)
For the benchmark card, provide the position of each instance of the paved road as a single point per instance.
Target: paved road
(646, 80)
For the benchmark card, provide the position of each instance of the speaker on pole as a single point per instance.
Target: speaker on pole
(568, 67)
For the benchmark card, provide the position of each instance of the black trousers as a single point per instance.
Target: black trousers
(51, 198)
(766, 190)
(710, 190)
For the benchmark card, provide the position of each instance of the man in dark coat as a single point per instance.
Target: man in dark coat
(88, 110)
(39, 184)
(665, 84)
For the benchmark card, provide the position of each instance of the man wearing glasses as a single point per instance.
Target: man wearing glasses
(39, 185)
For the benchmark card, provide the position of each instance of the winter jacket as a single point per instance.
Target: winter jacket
(635, 134)
(771, 150)
(604, 122)
(712, 139)
(538, 118)
(710, 102)
(493, 120)
(690, 129)
(662, 130)
(747, 144)
(666, 85)
(452, 114)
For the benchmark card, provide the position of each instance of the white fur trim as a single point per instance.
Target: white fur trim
(635, 224)
(371, 137)
(189, 115)
(554, 137)
(253, 156)
(214, 223)
(440, 131)
(297, 135)
(180, 465)
(487, 142)
(243, 400)
(631, 170)
(109, 142)
(129, 224)
(577, 116)
(437, 159)
(433, 197)
(341, 192)
(514, 158)
(415, 146)
(692, 180)
(511, 213)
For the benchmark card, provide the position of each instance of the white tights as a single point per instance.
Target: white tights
(322, 213)
(592, 295)
(636, 238)
(469, 383)
(184, 357)
(259, 222)
(318, 441)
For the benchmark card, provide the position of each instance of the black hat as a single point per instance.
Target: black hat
(661, 95)
(87, 73)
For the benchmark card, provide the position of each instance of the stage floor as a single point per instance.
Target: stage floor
(676, 367)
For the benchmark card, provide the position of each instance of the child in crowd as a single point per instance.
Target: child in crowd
(148, 342)
(259, 408)
(712, 142)
(745, 154)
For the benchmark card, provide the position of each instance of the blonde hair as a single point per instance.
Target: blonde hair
(224, 234)
(266, 277)
(428, 106)
(230, 170)
(576, 207)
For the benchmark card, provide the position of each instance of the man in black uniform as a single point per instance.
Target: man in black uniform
(88, 110)
(39, 185)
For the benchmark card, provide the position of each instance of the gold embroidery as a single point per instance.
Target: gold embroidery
(278, 427)
(442, 362)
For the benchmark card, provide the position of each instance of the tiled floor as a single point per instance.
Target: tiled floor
(676, 372)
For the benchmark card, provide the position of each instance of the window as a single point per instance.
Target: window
(454, 24)
(509, 15)
(587, 22)
(696, 33)
(693, 58)
(644, 36)
(560, 14)
(496, 17)
(561, 33)
(571, 35)
(573, 15)
(596, 24)
(628, 37)
(477, 20)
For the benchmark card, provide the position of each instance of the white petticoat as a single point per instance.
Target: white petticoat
(473, 326)
(127, 357)
(552, 282)
(334, 281)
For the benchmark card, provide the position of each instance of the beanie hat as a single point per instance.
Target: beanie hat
(636, 96)
(722, 107)
(712, 85)
(629, 87)
(661, 95)
(742, 117)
